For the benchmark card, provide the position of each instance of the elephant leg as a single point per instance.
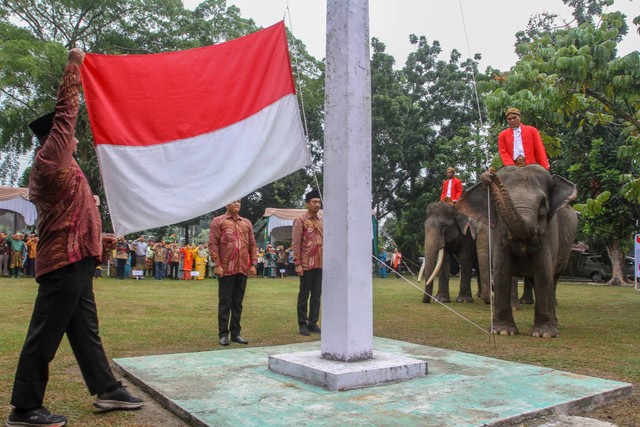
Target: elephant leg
(515, 304)
(443, 279)
(545, 323)
(527, 293)
(503, 322)
(482, 248)
(465, 278)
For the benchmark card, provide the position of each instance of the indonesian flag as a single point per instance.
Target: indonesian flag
(181, 134)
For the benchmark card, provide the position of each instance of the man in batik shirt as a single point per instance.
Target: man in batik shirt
(307, 256)
(232, 246)
(69, 249)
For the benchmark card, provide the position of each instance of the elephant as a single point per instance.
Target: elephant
(533, 228)
(446, 233)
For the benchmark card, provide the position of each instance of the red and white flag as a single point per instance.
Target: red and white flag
(181, 134)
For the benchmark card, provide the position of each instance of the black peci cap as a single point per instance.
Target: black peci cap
(313, 194)
(42, 126)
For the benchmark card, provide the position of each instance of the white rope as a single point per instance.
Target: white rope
(475, 86)
(299, 78)
(430, 296)
(490, 258)
(408, 269)
(299, 90)
(475, 90)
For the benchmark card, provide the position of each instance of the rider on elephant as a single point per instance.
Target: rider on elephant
(451, 188)
(520, 144)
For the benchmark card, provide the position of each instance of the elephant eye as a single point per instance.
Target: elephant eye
(543, 210)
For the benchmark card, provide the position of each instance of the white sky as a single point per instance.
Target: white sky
(490, 24)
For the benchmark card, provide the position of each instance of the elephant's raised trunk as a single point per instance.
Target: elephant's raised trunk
(516, 225)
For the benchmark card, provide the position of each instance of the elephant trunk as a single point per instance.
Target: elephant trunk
(515, 223)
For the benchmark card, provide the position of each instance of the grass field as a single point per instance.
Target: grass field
(599, 330)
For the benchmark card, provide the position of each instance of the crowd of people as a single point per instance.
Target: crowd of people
(167, 259)
(164, 259)
(18, 254)
(275, 262)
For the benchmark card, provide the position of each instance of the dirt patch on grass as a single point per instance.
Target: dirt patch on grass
(624, 413)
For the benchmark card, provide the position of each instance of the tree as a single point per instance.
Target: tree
(585, 99)
(424, 120)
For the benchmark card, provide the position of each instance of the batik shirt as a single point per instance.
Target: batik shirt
(70, 227)
(232, 244)
(307, 241)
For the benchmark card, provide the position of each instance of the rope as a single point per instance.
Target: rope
(475, 90)
(475, 86)
(408, 269)
(298, 81)
(430, 296)
(490, 263)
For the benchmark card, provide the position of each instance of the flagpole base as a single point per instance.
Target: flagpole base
(334, 375)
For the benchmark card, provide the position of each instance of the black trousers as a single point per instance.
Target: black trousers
(65, 304)
(31, 267)
(120, 265)
(230, 296)
(310, 283)
(173, 269)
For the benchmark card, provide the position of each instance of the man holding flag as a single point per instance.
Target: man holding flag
(70, 247)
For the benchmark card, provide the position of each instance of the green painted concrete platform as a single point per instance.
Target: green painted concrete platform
(233, 387)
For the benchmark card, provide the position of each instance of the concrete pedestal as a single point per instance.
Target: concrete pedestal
(338, 376)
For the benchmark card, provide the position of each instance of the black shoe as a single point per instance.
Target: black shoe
(304, 330)
(224, 340)
(314, 328)
(239, 340)
(117, 399)
(39, 417)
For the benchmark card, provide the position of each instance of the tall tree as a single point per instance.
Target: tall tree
(425, 119)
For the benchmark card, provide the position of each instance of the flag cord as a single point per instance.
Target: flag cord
(298, 77)
(475, 91)
(473, 75)
(298, 81)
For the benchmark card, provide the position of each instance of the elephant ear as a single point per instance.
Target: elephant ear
(467, 225)
(474, 204)
(562, 192)
(463, 223)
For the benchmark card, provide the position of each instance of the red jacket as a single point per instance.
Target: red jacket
(456, 189)
(534, 151)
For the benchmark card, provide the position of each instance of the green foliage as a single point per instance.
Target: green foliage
(425, 119)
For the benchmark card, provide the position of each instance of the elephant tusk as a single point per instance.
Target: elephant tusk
(424, 261)
(438, 266)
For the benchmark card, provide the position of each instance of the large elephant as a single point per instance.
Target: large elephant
(447, 233)
(532, 231)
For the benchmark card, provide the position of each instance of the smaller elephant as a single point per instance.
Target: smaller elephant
(448, 233)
